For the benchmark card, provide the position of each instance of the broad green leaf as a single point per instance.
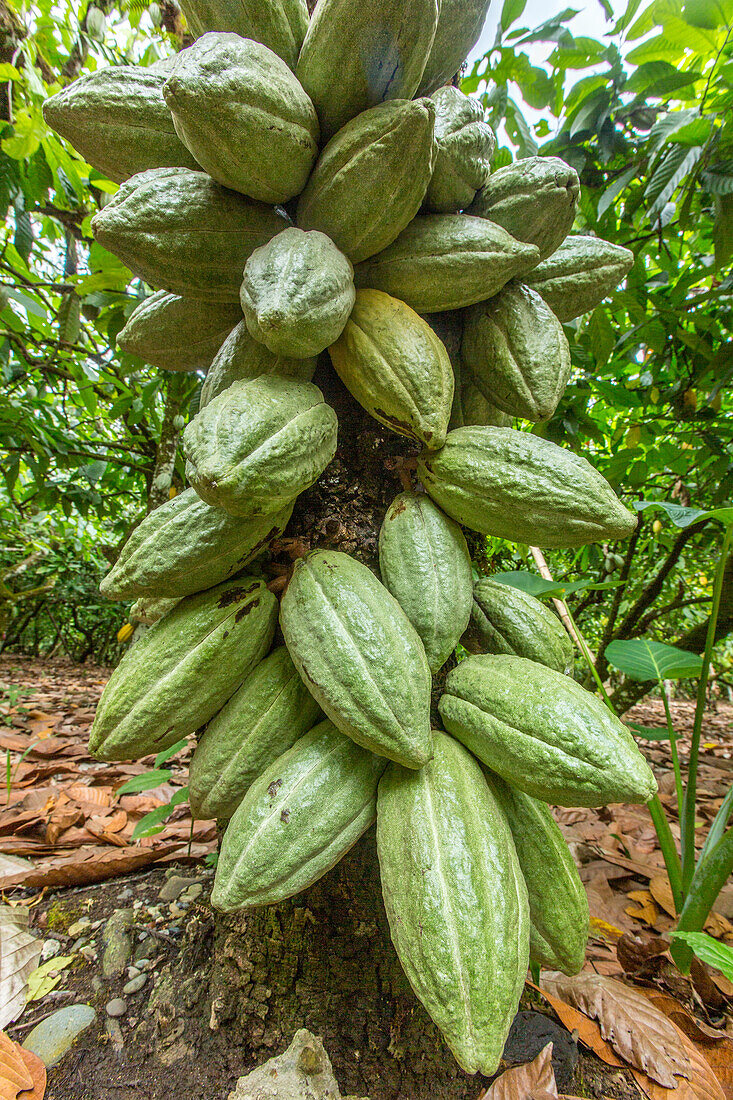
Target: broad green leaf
(644, 659)
(147, 781)
(649, 733)
(708, 950)
(723, 229)
(538, 586)
(166, 754)
(683, 516)
(511, 11)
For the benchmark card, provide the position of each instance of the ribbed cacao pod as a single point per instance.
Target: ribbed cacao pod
(580, 274)
(507, 620)
(517, 353)
(465, 147)
(459, 27)
(241, 357)
(371, 178)
(424, 562)
(543, 733)
(446, 261)
(279, 24)
(297, 294)
(520, 487)
(247, 121)
(259, 444)
(174, 333)
(181, 231)
(339, 623)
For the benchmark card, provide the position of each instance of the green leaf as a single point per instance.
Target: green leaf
(644, 659)
(166, 754)
(649, 733)
(150, 824)
(675, 163)
(538, 586)
(511, 11)
(708, 950)
(659, 78)
(145, 782)
(683, 516)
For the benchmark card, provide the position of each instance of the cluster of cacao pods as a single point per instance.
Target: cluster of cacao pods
(293, 185)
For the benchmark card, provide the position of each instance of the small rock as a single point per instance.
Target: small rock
(49, 949)
(124, 894)
(174, 930)
(80, 926)
(142, 963)
(135, 984)
(88, 952)
(191, 893)
(132, 972)
(175, 910)
(117, 941)
(175, 886)
(51, 1039)
(114, 1031)
(96, 924)
(143, 934)
(116, 1007)
(97, 985)
(155, 912)
(303, 1072)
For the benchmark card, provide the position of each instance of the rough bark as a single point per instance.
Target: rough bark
(324, 960)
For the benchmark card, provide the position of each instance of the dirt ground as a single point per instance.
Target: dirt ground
(67, 855)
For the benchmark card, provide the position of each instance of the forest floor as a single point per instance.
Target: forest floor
(124, 925)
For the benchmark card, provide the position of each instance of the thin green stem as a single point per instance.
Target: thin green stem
(687, 820)
(673, 747)
(589, 660)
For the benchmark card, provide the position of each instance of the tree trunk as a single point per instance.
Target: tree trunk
(179, 387)
(324, 959)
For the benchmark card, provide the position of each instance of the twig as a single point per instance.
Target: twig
(539, 560)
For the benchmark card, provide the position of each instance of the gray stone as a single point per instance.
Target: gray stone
(88, 952)
(51, 1039)
(175, 885)
(80, 926)
(114, 1031)
(117, 940)
(135, 984)
(303, 1072)
(49, 949)
(97, 985)
(116, 1007)
(191, 893)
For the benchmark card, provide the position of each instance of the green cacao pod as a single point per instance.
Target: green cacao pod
(520, 487)
(543, 733)
(181, 231)
(241, 357)
(117, 120)
(475, 409)
(465, 146)
(469, 404)
(174, 333)
(446, 261)
(186, 546)
(297, 294)
(297, 820)
(239, 109)
(356, 55)
(279, 24)
(456, 900)
(424, 562)
(396, 367)
(535, 199)
(151, 609)
(371, 178)
(558, 905)
(458, 30)
(506, 620)
(580, 274)
(261, 721)
(259, 444)
(360, 656)
(210, 641)
(517, 353)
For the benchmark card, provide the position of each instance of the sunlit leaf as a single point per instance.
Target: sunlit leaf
(646, 659)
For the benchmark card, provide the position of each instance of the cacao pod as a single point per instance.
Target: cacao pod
(456, 900)
(535, 199)
(356, 55)
(446, 261)
(475, 409)
(297, 820)
(185, 546)
(558, 906)
(543, 733)
(396, 367)
(297, 294)
(209, 641)
(259, 444)
(117, 120)
(580, 274)
(517, 353)
(371, 178)
(469, 404)
(239, 109)
(261, 721)
(241, 357)
(360, 656)
(459, 27)
(279, 24)
(516, 486)
(465, 146)
(151, 609)
(174, 333)
(507, 620)
(424, 562)
(181, 231)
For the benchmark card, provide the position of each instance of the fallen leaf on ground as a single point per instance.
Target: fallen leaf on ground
(15, 1076)
(638, 1031)
(19, 954)
(533, 1081)
(661, 891)
(93, 865)
(37, 1070)
(701, 1085)
(645, 910)
(588, 1031)
(47, 976)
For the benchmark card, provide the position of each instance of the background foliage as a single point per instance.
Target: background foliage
(643, 114)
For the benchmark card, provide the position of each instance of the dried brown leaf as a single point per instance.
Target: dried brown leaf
(37, 1070)
(702, 1083)
(588, 1031)
(638, 1031)
(15, 1076)
(19, 955)
(533, 1081)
